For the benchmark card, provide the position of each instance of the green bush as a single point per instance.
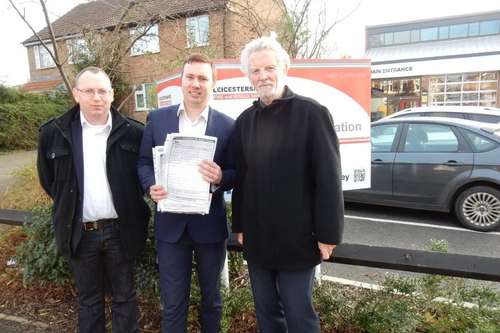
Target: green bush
(22, 113)
(39, 256)
(402, 305)
(146, 276)
(334, 306)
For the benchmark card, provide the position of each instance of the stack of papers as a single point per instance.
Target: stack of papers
(176, 167)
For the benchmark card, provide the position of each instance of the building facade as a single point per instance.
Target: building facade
(437, 62)
(218, 28)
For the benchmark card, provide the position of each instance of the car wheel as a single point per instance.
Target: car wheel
(478, 208)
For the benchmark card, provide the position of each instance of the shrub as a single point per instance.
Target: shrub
(385, 313)
(39, 256)
(334, 306)
(401, 305)
(22, 113)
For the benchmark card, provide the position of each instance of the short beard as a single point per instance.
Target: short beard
(275, 93)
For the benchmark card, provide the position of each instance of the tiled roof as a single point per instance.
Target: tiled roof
(101, 14)
(42, 85)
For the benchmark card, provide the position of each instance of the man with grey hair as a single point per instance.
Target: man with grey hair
(86, 163)
(288, 207)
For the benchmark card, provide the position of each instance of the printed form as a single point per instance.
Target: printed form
(176, 168)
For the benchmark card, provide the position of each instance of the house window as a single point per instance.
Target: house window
(145, 97)
(197, 31)
(78, 50)
(149, 41)
(42, 56)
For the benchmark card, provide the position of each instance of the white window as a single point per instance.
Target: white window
(42, 56)
(148, 43)
(197, 29)
(468, 89)
(145, 96)
(76, 48)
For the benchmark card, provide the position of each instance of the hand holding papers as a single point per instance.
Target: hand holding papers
(176, 169)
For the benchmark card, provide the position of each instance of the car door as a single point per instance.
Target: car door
(430, 161)
(384, 139)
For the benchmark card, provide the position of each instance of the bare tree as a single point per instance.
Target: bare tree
(302, 26)
(108, 49)
(259, 17)
(307, 28)
(55, 53)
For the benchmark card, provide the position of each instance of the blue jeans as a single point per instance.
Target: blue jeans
(283, 300)
(99, 256)
(175, 262)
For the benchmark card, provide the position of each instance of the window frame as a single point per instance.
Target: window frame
(83, 48)
(395, 138)
(144, 92)
(193, 36)
(424, 127)
(37, 51)
(467, 135)
(152, 35)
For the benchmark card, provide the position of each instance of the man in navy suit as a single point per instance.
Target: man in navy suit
(181, 235)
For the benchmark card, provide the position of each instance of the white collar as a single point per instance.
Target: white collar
(203, 114)
(84, 120)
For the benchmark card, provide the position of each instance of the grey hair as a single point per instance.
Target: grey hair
(262, 44)
(93, 70)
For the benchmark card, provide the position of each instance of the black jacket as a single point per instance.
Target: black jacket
(60, 169)
(288, 192)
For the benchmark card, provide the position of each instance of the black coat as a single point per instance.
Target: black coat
(60, 169)
(288, 192)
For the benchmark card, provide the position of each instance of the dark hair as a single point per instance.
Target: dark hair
(93, 70)
(199, 57)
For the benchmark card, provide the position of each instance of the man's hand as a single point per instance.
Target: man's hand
(240, 238)
(210, 171)
(157, 193)
(326, 250)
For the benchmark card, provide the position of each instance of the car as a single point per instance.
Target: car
(476, 113)
(439, 164)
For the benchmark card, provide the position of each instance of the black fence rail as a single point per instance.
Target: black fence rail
(449, 264)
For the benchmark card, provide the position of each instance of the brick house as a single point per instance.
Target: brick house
(219, 28)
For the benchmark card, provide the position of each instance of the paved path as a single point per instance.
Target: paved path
(8, 163)
(10, 326)
(13, 161)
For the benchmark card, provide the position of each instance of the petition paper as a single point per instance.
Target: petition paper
(176, 168)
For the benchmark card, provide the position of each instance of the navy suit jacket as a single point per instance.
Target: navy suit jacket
(168, 227)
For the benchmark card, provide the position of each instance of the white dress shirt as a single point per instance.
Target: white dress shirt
(97, 198)
(196, 127)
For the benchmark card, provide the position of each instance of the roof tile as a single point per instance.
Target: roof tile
(101, 14)
(42, 85)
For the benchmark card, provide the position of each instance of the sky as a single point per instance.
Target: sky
(348, 35)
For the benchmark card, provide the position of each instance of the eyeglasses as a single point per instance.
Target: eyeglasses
(90, 92)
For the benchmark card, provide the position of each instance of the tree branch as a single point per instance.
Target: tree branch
(53, 54)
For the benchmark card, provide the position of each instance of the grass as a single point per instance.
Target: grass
(25, 192)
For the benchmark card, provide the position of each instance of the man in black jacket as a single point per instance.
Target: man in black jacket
(87, 164)
(287, 202)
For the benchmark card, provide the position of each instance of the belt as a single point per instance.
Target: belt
(99, 224)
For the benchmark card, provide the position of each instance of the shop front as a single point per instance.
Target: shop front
(398, 94)
(449, 81)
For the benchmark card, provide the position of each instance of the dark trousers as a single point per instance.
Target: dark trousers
(175, 265)
(100, 255)
(283, 300)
